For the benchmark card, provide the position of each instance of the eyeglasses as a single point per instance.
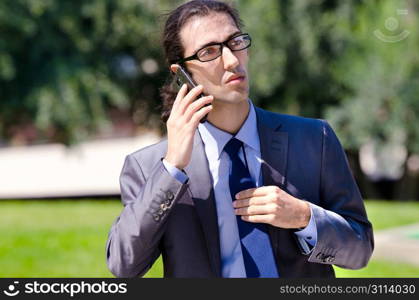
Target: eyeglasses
(212, 51)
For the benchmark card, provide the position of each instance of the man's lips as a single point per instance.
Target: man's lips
(235, 78)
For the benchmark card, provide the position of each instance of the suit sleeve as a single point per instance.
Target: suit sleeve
(344, 234)
(134, 238)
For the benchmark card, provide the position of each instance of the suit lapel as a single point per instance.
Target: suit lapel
(201, 188)
(273, 148)
(274, 151)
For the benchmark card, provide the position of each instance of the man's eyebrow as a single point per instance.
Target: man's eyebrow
(216, 42)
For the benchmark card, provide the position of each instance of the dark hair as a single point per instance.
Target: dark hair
(172, 44)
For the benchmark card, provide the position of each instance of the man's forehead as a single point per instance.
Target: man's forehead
(201, 30)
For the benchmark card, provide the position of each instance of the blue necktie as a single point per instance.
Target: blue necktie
(256, 247)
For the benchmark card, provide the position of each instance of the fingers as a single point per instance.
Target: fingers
(273, 206)
(257, 192)
(253, 201)
(268, 219)
(180, 95)
(189, 98)
(256, 210)
(187, 105)
(200, 114)
(197, 105)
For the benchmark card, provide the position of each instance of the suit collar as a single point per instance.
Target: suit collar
(267, 119)
(248, 133)
(215, 139)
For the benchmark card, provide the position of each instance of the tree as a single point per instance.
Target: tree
(65, 64)
(379, 67)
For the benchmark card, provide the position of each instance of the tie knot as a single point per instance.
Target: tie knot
(232, 147)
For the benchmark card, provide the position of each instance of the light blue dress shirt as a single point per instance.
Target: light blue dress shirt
(214, 140)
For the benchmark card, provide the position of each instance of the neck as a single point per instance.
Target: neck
(229, 117)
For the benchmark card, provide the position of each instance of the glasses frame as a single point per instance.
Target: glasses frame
(222, 45)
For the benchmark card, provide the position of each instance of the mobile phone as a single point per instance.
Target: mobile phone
(182, 76)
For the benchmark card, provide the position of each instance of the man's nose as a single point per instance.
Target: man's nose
(230, 60)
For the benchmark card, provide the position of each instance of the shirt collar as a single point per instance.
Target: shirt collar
(216, 138)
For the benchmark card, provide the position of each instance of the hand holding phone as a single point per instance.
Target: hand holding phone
(186, 113)
(182, 77)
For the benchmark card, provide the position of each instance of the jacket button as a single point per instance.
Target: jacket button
(156, 218)
(164, 207)
(170, 196)
(326, 258)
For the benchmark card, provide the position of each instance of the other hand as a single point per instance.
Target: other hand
(272, 205)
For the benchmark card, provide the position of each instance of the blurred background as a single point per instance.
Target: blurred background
(79, 90)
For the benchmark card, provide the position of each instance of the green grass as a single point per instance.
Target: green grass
(67, 238)
(381, 268)
(55, 238)
(387, 214)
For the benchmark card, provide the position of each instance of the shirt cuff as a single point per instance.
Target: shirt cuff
(175, 172)
(309, 233)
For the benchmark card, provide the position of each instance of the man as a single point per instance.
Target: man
(249, 193)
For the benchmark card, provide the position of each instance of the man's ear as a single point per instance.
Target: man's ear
(174, 68)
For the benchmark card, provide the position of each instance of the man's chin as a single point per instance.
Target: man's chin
(232, 97)
(232, 100)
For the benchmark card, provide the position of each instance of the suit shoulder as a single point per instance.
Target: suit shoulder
(292, 122)
(150, 153)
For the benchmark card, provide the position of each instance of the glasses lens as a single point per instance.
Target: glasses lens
(209, 53)
(239, 42)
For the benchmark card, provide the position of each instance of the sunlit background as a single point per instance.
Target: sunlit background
(79, 90)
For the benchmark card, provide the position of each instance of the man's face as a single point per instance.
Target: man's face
(216, 75)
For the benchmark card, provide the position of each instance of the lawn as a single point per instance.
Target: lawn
(66, 238)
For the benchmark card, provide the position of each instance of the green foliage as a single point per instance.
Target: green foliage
(381, 76)
(63, 64)
(323, 59)
(295, 45)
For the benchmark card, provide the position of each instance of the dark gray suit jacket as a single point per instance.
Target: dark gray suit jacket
(162, 216)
